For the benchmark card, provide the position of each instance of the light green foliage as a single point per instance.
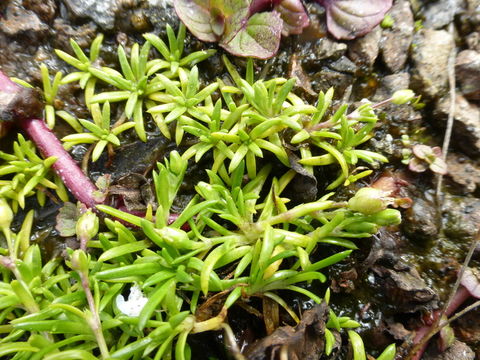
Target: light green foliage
(270, 117)
(267, 246)
(238, 238)
(23, 173)
(135, 83)
(181, 102)
(102, 134)
(50, 89)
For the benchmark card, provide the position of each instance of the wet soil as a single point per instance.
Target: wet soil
(399, 275)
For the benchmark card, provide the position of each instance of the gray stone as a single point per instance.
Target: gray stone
(467, 71)
(396, 40)
(314, 52)
(430, 55)
(391, 83)
(364, 50)
(466, 128)
(159, 13)
(473, 41)
(101, 12)
(457, 351)
(405, 288)
(473, 13)
(420, 221)
(463, 172)
(344, 65)
(440, 13)
(326, 78)
(461, 216)
(17, 21)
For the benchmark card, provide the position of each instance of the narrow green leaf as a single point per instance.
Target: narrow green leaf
(123, 249)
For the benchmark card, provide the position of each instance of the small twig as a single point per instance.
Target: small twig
(417, 350)
(460, 314)
(473, 246)
(451, 113)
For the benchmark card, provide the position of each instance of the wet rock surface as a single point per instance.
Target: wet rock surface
(466, 132)
(421, 221)
(467, 70)
(20, 21)
(396, 41)
(101, 12)
(458, 351)
(430, 61)
(440, 13)
(364, 51)
(463, 172)
(405, 289)
(461, 217)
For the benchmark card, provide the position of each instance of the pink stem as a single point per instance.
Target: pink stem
(74, 179)
(459, 298)
(72, 176)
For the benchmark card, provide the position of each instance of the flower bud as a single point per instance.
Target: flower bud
(362, 227)
(368, 201)
(176, 237)
(87, 226)
(402, 96)
(80, 261)
(387, 217)
(178, 165)
(6, 214)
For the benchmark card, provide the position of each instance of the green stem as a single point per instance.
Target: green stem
(95, 324)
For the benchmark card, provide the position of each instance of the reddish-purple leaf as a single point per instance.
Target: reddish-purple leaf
(294, 16)
(195, 14)
(258, 38)
(348, 19)
(439, 166)
(422, 151)
(417, 165)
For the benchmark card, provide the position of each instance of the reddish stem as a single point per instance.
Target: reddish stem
(72, 176)
(22, 106)
(430, 329)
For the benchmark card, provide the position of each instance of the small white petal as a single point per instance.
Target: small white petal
(135, 303)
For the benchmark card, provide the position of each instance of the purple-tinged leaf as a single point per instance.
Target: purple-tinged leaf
(422, 151)
(294, 16)
(417, 165)
(437, 151)
(66, 219)
(258, 38)
(195, 14)
(439, 166)
(213, 20)
(348, 19)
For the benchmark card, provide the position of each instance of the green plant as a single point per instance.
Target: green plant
(181, 103)
(271, 117)
(23, 174)
(238, 238)
(172, 54)
(83, 63)
(101, 133)
(132, 84)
